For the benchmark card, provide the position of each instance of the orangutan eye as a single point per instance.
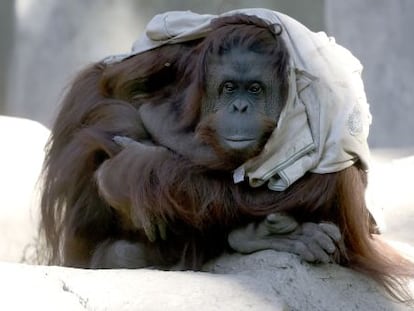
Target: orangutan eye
(229, 87)
(255, 88)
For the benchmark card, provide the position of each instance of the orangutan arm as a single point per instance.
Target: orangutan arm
(121, 182)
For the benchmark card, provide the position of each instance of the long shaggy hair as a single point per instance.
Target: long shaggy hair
(200, 205)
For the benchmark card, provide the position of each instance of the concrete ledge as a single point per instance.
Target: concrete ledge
(263, 281)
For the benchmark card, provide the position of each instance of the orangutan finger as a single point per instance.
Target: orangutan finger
(280, 223)
(331, 230)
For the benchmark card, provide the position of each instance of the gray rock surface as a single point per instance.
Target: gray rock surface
(263, 281)
(21, 159)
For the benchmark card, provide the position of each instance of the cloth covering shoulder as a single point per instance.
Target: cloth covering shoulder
(324, 125)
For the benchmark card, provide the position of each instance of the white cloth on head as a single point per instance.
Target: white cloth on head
(324, 125)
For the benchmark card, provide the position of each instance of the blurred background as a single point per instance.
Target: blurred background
(43, 44)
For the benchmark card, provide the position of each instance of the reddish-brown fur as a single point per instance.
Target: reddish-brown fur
(200, 205)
